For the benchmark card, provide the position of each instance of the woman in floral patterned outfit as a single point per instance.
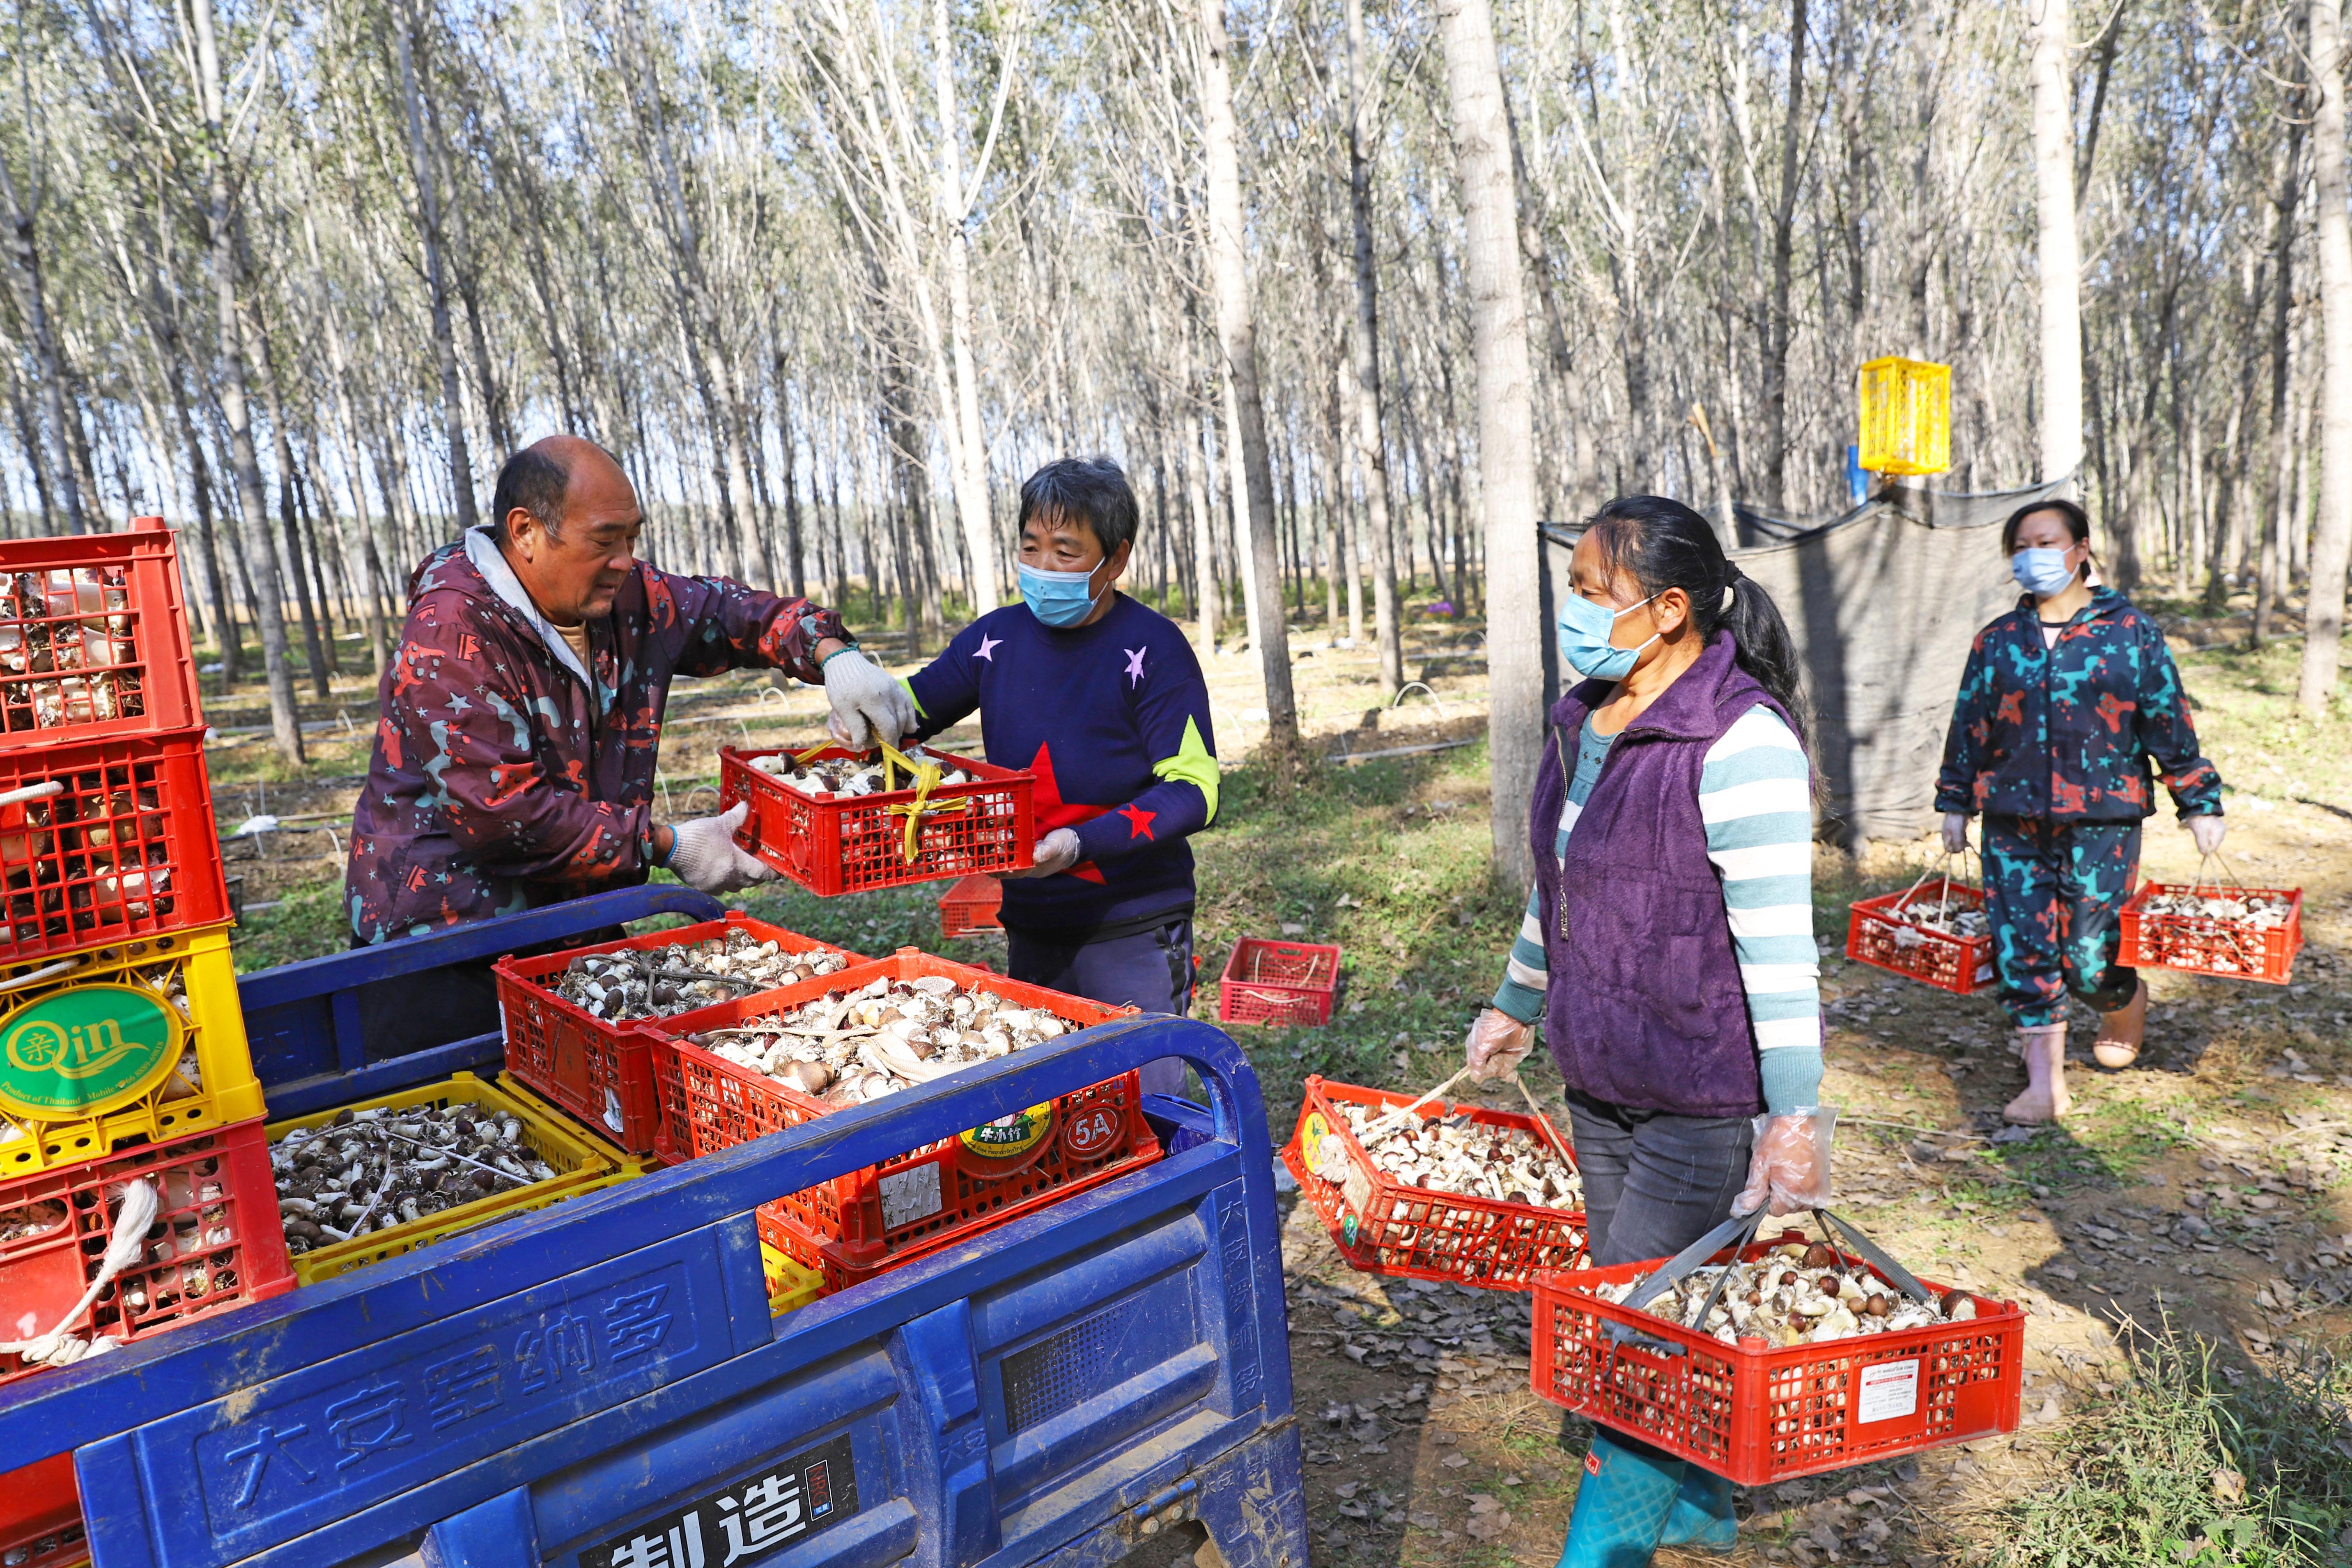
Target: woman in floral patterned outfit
(2071, 706)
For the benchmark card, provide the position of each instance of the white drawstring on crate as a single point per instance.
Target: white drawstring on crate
(126, 1244)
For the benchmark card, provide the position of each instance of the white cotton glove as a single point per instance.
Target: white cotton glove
(2206, 832)
(1057, 851)
(1791, 1165)
(1955, 832)
(704, 854)
(1497, 1045)
(869, 709)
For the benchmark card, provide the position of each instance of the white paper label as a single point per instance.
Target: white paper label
(910, 1195)
(1889, 1389)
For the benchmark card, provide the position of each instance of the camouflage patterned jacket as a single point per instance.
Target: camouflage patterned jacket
(2068, 733)
(505, 777)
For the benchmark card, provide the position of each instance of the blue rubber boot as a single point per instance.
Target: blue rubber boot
(1702, 1519)
(1622, 1504)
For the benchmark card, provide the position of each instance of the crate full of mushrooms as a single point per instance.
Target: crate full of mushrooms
(569, 1016)
(837, 821)
(2243, 934)
(1935, 931)
(1785, 1358)
(114, 1249)
(94, 640)
(1438, 1191)
(372, 1181)
(870, 1033)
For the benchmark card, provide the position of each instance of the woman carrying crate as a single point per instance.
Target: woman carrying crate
(2066, 702)
(1667, 946)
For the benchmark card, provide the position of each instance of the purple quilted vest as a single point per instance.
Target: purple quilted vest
(1644, 1008)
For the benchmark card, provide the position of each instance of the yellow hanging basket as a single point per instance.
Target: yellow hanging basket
(1906, 416)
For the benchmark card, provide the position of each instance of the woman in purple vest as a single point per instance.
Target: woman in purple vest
(1668, 947)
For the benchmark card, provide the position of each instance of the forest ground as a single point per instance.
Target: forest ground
(2201, 1195)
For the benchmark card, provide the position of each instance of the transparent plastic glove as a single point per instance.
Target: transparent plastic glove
(2205, 833)
(1497, 1044)
(1057, 851)
(704, 855)
(869, 709)
(1790, 1169)
(1955, 832)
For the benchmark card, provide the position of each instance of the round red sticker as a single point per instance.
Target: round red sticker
(1092, 1132)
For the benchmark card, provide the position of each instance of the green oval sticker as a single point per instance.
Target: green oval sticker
(84, 1049)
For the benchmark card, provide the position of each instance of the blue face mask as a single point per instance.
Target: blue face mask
(1584, 629)
(2042, 573)
(1057, 598)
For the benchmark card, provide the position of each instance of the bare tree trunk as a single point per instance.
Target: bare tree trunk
(1237, 333)
(1780, 326)
(2331, 539)
(257, 345)
(1370, 451)
(428, 228)
(2061, 258)
(27, 257)
(1207, 594)
(284, 721)
(969, 455)
(1498, 322)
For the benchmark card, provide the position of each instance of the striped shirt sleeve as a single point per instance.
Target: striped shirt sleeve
(1755, 797)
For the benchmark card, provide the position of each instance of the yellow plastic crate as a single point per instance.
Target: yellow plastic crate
(1906, 416)
(790, 1283)
(160, 1103)
(580, 1168)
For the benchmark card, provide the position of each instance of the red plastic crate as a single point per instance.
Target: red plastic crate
(1387, 1228)
(215, 1243)
(597, 1070)
(972, 905)
(878, 1217)
(1269, 982)
(851, 843)
(120, 843)
(1960, 964)
(2232, 949)
(1758, 1415)
(1085, 1139)
(40, 1516)
(94, 639)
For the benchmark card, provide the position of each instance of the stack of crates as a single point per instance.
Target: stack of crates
(122, 1048)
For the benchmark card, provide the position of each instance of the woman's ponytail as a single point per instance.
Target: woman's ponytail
(1664, 544)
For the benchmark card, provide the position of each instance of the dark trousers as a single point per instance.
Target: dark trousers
(1148, 969)
(2056, 892)
(1654, 1184)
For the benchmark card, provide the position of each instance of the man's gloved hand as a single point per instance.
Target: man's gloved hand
(1057, 851)
(869, 709)
(703, 853)
(1790, 1169)
(1497, 1044)
(2206, 832)
(1955, 832)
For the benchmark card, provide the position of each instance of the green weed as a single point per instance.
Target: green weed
(2175, 1468)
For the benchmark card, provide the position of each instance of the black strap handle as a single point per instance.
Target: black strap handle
(1696, 1255)
(1684, 1262)
(1873, 1253)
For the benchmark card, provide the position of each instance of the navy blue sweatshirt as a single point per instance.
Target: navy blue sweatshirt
(1114, 720)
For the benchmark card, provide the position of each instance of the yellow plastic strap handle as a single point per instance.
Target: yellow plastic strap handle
(926, 779)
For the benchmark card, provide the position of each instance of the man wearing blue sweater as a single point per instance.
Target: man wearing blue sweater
(1103, 700)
